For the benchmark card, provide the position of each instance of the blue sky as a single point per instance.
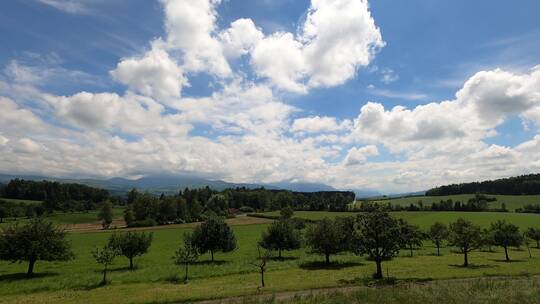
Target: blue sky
(195, 100)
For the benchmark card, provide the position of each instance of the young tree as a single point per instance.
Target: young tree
(527, 242)
(280, 236)
(131, 244)
(105, 257)
(466, 236)
(286, 213)
(411, 236)
(213, 235)
(327, 237)
(129, 216)
(106, 215)
(438, 232)
(506, 235)
(487, 239)
(186, 255)
(534, 233)
(262, 261)
(378, 236)
(37, 240)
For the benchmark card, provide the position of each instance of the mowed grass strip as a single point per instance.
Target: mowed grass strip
(154, 280)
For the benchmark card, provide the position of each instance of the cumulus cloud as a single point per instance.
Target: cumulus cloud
(240, 38)
(317, 124)
(155, 74)
(357, 156)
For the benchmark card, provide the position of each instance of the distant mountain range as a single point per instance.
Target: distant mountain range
(170, 184)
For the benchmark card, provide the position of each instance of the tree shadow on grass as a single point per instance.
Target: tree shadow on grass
(474, 266)
(283, 259)
(23, 276)
(505, 261)
(319, 265)
(216, 262)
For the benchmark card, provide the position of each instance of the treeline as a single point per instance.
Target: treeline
(55, 195)
(520, 185)
(478, 203)
(191, 205)
(18, 209)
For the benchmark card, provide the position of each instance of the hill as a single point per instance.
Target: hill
(519, 185)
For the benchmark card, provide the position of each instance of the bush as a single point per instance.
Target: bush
(144, 223)
(246, 209)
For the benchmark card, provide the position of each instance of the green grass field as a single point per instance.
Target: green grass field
(154, 279)
(512, 201)
(426, 218)
(20, 201)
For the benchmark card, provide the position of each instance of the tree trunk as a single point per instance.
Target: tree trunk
(262, 277)
(506, 253)
(104, 276)
(212, 252)
(131, 263)
(411, 247)
(378, 274)
(30, 271)
(466, 259)
(279, 253)
(186, 277)
(327, 259)
(438, 250)
(537, 243)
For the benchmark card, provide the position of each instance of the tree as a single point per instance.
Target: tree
(37, 240)
(3, 213)
(378, 236)
(466, 236)
(286, 213)
(132, 196)
(106, 215)
(534, 233)
(506, 235)
(105, 257)
(280, 236)
(131, 244)
(329, 237)
(487, 238)
(213, 235)
(186, 255)
(438, 232)
(129, 216)
(262, 261)
(411, 235)
(527, 242)
(218, 203)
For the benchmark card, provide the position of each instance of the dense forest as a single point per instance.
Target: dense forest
(520, 185)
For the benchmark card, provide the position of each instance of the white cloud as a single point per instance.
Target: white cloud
(388, 76)
(240, 38)
(68, 6)
(317, 124)
(155, 74)
(357, 156)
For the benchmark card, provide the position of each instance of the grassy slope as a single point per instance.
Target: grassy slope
(153, 280)
(72, 218)
(512, 201)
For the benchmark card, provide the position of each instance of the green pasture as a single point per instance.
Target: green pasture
(512, 201)
(20, 201)
(424, 219)
(155, 279)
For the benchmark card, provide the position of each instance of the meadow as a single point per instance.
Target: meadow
(512, 202)
(156, 278)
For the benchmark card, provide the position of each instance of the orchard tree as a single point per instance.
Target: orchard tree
(506, 235)
(281, 236)
(527, 242)
(327, 237)
(378, 236)
(186, 254)
(106, 215)
(411, 236)
(131, 244)
(534, 234)
(129, 216)
(286, 213)
(438, 232)
(38, 240)
(213, 235)
(262, 261)
(105, 257)
(466, 237)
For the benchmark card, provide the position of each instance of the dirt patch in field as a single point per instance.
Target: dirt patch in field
(121, 225)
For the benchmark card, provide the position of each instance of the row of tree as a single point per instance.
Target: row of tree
(375, 234)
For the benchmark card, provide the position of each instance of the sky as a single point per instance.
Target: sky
(393, 96)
